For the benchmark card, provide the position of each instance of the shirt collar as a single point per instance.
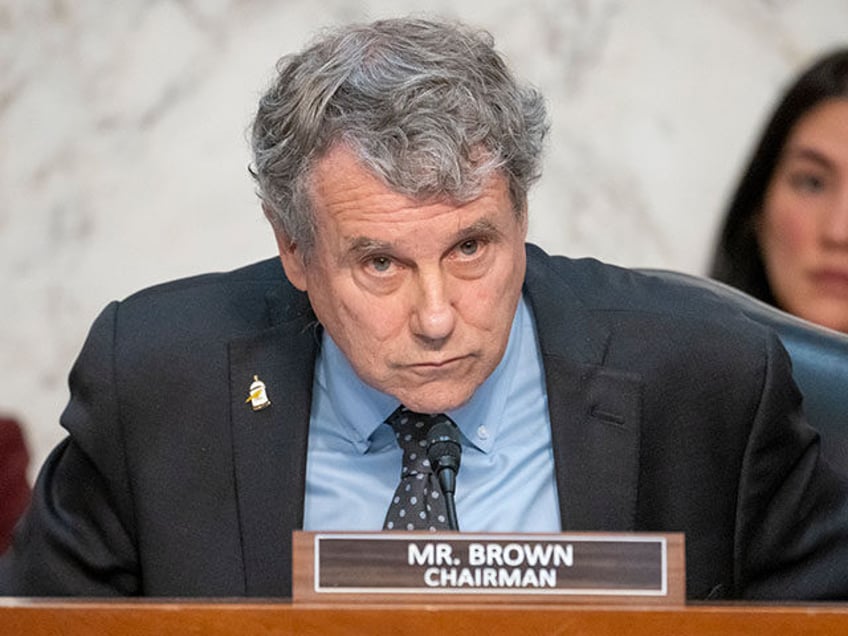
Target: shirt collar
(484, 409)
(344, 388)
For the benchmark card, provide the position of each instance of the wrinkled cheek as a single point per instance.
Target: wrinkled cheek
(498, 292)
(368, 331)
(372, 321)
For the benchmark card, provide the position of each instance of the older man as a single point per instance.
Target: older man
(212, 416)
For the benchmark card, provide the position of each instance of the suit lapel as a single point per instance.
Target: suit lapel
(595, 425)
(595, 410)
(269, 445)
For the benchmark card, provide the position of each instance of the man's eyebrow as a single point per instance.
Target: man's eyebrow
(480, 227)
(364, 245)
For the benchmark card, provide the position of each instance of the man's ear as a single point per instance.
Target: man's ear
(292, 259)
(523, 218)
(290, 255)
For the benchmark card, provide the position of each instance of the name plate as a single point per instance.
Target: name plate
(554, 568)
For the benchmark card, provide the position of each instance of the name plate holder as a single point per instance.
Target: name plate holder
(427, 567)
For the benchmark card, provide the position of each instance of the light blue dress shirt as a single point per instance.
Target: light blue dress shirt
(506, 479)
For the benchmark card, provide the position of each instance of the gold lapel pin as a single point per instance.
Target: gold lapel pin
(257, 397)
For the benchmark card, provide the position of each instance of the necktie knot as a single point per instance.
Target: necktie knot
(417, 503)
(411, 431)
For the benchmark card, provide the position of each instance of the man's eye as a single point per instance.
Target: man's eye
(469, 247)
(380, 264)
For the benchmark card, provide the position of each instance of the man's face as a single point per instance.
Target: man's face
(420, 297)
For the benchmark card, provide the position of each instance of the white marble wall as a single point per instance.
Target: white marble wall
(123, 154)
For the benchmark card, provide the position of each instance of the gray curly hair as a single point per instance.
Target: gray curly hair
(428, 107)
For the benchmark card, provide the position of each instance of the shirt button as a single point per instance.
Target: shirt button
(482, 432)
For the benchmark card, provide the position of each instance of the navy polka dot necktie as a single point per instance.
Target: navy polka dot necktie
(418, 503)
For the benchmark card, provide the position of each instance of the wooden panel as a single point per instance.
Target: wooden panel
(37, 618)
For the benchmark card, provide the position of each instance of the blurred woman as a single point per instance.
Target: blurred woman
(785, 237)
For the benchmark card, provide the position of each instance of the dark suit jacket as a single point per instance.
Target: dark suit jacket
(669, 413)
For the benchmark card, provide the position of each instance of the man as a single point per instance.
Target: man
(212, 416)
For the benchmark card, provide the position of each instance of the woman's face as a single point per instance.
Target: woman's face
(803, 229)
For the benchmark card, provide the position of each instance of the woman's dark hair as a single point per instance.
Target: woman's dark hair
(737, 260)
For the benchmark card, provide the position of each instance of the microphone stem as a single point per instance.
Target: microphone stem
(447, 480)
(453, 524)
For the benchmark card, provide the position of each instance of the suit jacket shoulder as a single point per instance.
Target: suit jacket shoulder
(149, 492)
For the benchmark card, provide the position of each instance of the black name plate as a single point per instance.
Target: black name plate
(634, 566)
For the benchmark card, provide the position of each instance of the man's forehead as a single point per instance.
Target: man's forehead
(479, 228)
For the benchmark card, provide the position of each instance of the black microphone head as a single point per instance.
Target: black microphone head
(443, 447)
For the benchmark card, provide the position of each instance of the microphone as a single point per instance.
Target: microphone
(444, 452)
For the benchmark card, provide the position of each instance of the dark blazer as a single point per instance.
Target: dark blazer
(669, 412)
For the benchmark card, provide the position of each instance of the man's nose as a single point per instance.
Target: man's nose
(433, 316)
